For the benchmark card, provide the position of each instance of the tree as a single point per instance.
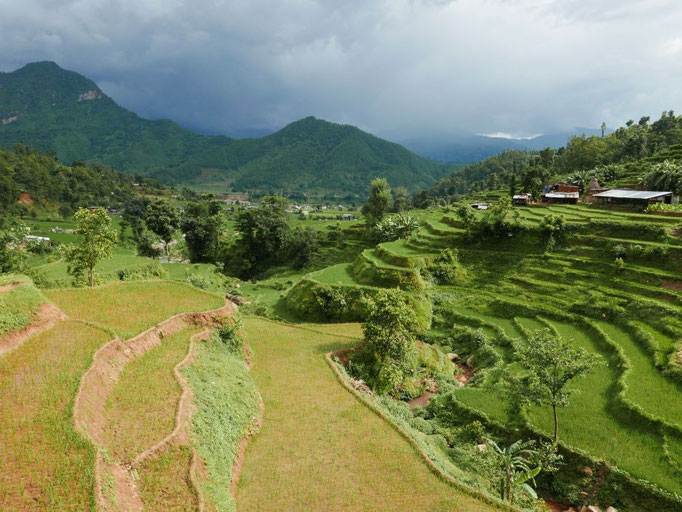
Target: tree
(514, 463)
(163, 219)
(304, 244)
(97, 242)
(263, 236)
(466, 214)
(401, 199)
(512, 185)
(389, 330)
(378, 203)
(12, 234)
(551, 364)
(204, 226)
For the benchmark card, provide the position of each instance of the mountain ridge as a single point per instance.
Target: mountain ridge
(54, 109)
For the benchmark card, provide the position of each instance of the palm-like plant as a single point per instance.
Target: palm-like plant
(514, 462)
(664, 176)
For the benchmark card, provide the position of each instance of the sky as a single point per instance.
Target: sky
(401, 69)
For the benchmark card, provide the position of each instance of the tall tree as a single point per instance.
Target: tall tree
(163, 219)
(390, 330)
(204, 227)
(378, 202)
(263, 236)
(551, 364)
(97, 239)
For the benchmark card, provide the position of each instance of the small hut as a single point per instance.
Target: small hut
(594, 187)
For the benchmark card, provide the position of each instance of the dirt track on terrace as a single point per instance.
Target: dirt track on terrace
(98, 383)
(47, 317)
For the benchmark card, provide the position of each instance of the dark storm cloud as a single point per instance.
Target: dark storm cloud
(399, 68)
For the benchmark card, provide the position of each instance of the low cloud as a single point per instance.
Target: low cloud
(398, 68)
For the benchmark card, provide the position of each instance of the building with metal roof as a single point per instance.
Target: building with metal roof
(634, 197)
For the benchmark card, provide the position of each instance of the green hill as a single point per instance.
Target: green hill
(46, 106)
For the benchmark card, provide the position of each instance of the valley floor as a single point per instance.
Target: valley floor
(319, 448)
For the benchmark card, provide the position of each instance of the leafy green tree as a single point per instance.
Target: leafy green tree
(512, 185)
(401, 199)
(551, 364)
(378, 202)
(303, 246)
(390, 334)
(97, 239)
(466, 214)
(204, 227)
(163, 220)
(264, 234)
(134, 212)
(12, 235)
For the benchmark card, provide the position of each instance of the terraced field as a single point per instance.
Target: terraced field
(319, 448)
(74, 400)
(626, 412)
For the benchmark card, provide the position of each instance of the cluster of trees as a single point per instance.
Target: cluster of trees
(262, 237)
(28, 170)
(382, 201)
(581, 159)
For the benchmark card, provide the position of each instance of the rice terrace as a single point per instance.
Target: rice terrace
(309, 317)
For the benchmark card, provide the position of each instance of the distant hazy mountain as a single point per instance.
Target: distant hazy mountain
(473, 148)
(44, 105)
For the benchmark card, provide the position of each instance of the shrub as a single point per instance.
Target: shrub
(152, 270)
(444, 269)
(230, 335)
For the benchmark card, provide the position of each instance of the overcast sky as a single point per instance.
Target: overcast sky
(397, 68)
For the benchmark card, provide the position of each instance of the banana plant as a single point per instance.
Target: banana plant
(514, 462)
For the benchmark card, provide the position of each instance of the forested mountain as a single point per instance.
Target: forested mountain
(28, 177)
(640, 154)
(45, 106)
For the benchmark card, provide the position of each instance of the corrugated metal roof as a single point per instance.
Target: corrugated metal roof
(633, 194)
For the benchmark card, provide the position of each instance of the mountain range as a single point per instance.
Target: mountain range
(54, 109)
(470, 148)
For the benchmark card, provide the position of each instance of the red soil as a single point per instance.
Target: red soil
(98, 383)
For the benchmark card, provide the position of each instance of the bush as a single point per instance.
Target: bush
(152, 270)
(230, 335)
(444, 269)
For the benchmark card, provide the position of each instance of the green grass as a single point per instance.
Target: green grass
(133, 402)
(226, 402)
(337, 274)
(647, 387)
(46, 464)
(18, 305)
(319, 448)
(131, 307)
(105, 270)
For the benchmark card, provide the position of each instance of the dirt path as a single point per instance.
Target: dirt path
(319, 448)
(47, 316)
(96, 386)
(8, 287)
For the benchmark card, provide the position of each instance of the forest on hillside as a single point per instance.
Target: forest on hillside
(641, 154)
